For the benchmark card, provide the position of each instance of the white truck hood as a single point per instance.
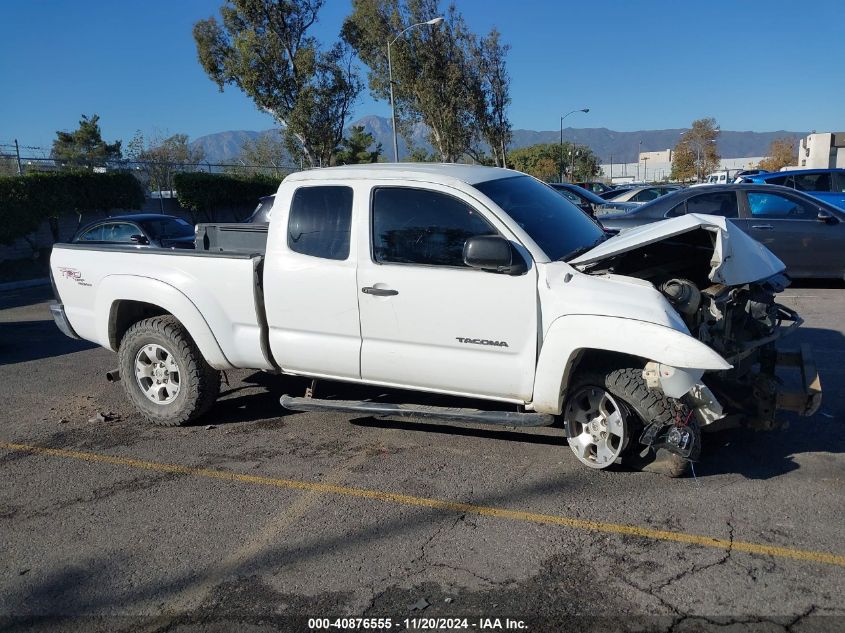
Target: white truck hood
(737, 258)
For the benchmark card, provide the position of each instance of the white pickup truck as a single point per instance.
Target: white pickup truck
(469, 281)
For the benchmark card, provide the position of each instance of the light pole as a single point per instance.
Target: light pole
(645, 168)
(584, 110)
(432, 22)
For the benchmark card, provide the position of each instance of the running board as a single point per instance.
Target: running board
(383, 409)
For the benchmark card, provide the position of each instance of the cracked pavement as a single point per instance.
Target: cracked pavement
(98, 546)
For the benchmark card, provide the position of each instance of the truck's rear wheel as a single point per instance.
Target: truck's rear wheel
(164, 374)
(605, 415)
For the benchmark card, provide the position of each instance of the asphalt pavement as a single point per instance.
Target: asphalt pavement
(260, 519)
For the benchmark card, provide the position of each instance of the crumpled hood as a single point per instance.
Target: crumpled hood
(737, 258)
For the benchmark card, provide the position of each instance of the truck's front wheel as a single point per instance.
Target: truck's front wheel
(605, 414)
(164, 374)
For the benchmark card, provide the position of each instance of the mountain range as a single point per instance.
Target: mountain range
(620, 147)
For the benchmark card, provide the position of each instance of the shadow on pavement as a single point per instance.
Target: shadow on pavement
(22, 341)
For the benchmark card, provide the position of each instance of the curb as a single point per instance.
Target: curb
(28, 283)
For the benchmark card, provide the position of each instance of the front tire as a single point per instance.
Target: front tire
(164, 374)
(620, 405)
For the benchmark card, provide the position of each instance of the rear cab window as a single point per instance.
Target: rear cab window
(320, 221)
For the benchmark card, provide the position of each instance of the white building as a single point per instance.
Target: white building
(657, 166)
(824, 150)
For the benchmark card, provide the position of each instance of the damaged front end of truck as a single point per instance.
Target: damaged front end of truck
(724, 286)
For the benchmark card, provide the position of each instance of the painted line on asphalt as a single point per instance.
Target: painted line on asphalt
(439, 504)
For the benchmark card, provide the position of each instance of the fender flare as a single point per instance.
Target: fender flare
(115, 288)
(569, 335)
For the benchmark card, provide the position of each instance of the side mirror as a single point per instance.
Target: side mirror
(825, 217)
(493, 253)
(139, 239)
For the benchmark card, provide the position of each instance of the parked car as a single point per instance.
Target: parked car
(464, 280)
(616, 191)
(643, 194)
(261, 215)
(749, 172)
(149, 230)
(595, 186)
(826, 184)
(585, 200)
(806, 233)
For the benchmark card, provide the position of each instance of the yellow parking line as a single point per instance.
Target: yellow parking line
(502, 513)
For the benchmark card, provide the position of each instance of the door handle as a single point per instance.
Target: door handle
(379, 292)
(762, 226)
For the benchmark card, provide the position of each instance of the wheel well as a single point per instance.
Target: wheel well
(125, 313)
(598, 359)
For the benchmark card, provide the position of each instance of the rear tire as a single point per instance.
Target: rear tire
(164, 374)
(639, 406)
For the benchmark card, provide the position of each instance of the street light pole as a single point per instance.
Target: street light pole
(584, 110)
(432, 22)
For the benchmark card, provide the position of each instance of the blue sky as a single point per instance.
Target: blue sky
(757, 66)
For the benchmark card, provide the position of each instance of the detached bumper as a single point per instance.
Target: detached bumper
(808, 398)
(59, 316)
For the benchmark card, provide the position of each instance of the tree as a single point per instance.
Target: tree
(495, 85)
(683, 163)
(263, 48)
(161, 158)
(84, 146)
(543, 161)
(781, 154)
(356, 148)
(699, 145)
(266, 154)
(436, 77)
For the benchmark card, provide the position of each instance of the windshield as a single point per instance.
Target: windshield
(555, 224)
(168, 228)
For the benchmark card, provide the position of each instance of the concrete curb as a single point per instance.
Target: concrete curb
(27, 283)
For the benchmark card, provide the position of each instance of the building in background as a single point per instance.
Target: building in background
(657, 166)
(823, 150)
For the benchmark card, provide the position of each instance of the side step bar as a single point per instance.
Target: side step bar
(455, 414)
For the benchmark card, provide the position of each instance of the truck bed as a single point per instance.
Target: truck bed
(221, 290)
(232, 237)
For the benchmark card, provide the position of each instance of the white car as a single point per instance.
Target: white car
(461, 280)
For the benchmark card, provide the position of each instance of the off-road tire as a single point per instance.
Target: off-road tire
(645, 406)
(199, 382)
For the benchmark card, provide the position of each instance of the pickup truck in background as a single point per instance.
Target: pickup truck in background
(469, 281)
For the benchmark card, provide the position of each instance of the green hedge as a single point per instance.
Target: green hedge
(207, 193)
(26, 201)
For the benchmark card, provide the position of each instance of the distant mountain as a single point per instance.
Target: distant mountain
(623, 147)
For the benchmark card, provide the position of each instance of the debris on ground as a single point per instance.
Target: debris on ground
(209, 427)
(420, 604)
(108, 416)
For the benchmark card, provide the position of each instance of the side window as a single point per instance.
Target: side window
(779, 180)
(722, 203)
(416, 226)
(119, 232)
(92, 235)
(838, 181)
(569, 196)
(320, 222)
(773, 205)
(812, 182)
(645, 195)
(677, 210)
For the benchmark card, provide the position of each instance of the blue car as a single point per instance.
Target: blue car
(825, 184)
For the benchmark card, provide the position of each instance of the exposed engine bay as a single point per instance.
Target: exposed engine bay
(741, 321)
